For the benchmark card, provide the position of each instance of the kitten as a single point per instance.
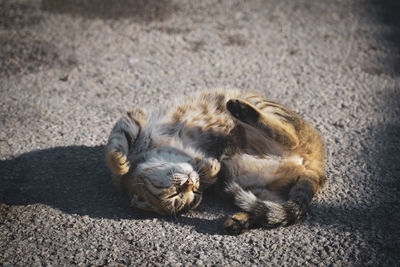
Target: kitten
(267, 158)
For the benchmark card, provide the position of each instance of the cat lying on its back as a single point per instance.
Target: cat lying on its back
(268, 159)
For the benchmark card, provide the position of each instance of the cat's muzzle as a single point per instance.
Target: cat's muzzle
(186, 186)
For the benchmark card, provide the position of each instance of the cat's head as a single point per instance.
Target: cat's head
(164, 175)
(166, 181)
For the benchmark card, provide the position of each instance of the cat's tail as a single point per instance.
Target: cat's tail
(122, 135)
(265, 213)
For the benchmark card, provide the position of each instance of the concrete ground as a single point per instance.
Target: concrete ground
(70, 68)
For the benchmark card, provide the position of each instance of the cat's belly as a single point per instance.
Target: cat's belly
(251, 171)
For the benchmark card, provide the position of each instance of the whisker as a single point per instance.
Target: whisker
(202, 172)
(174, 211)
(164, 202)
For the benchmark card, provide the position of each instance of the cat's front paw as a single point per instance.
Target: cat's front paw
(208, 170)
(118, 162)
(213, 166)
(237, 224)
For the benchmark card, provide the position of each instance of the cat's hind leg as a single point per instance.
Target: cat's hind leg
(275, 121)
(270, 214)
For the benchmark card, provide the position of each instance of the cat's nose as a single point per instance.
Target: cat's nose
(187, 186)
(189, 181)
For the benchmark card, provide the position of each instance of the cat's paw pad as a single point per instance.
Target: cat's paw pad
(118, 162)
(241, 110)
(237, 224)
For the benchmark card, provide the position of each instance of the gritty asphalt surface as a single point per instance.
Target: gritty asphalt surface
(70, 68)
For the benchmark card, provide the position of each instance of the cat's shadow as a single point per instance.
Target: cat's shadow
(75, 180)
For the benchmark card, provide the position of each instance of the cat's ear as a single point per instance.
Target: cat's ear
(138, 115)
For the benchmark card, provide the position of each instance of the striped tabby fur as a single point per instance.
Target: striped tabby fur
(263, 155)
